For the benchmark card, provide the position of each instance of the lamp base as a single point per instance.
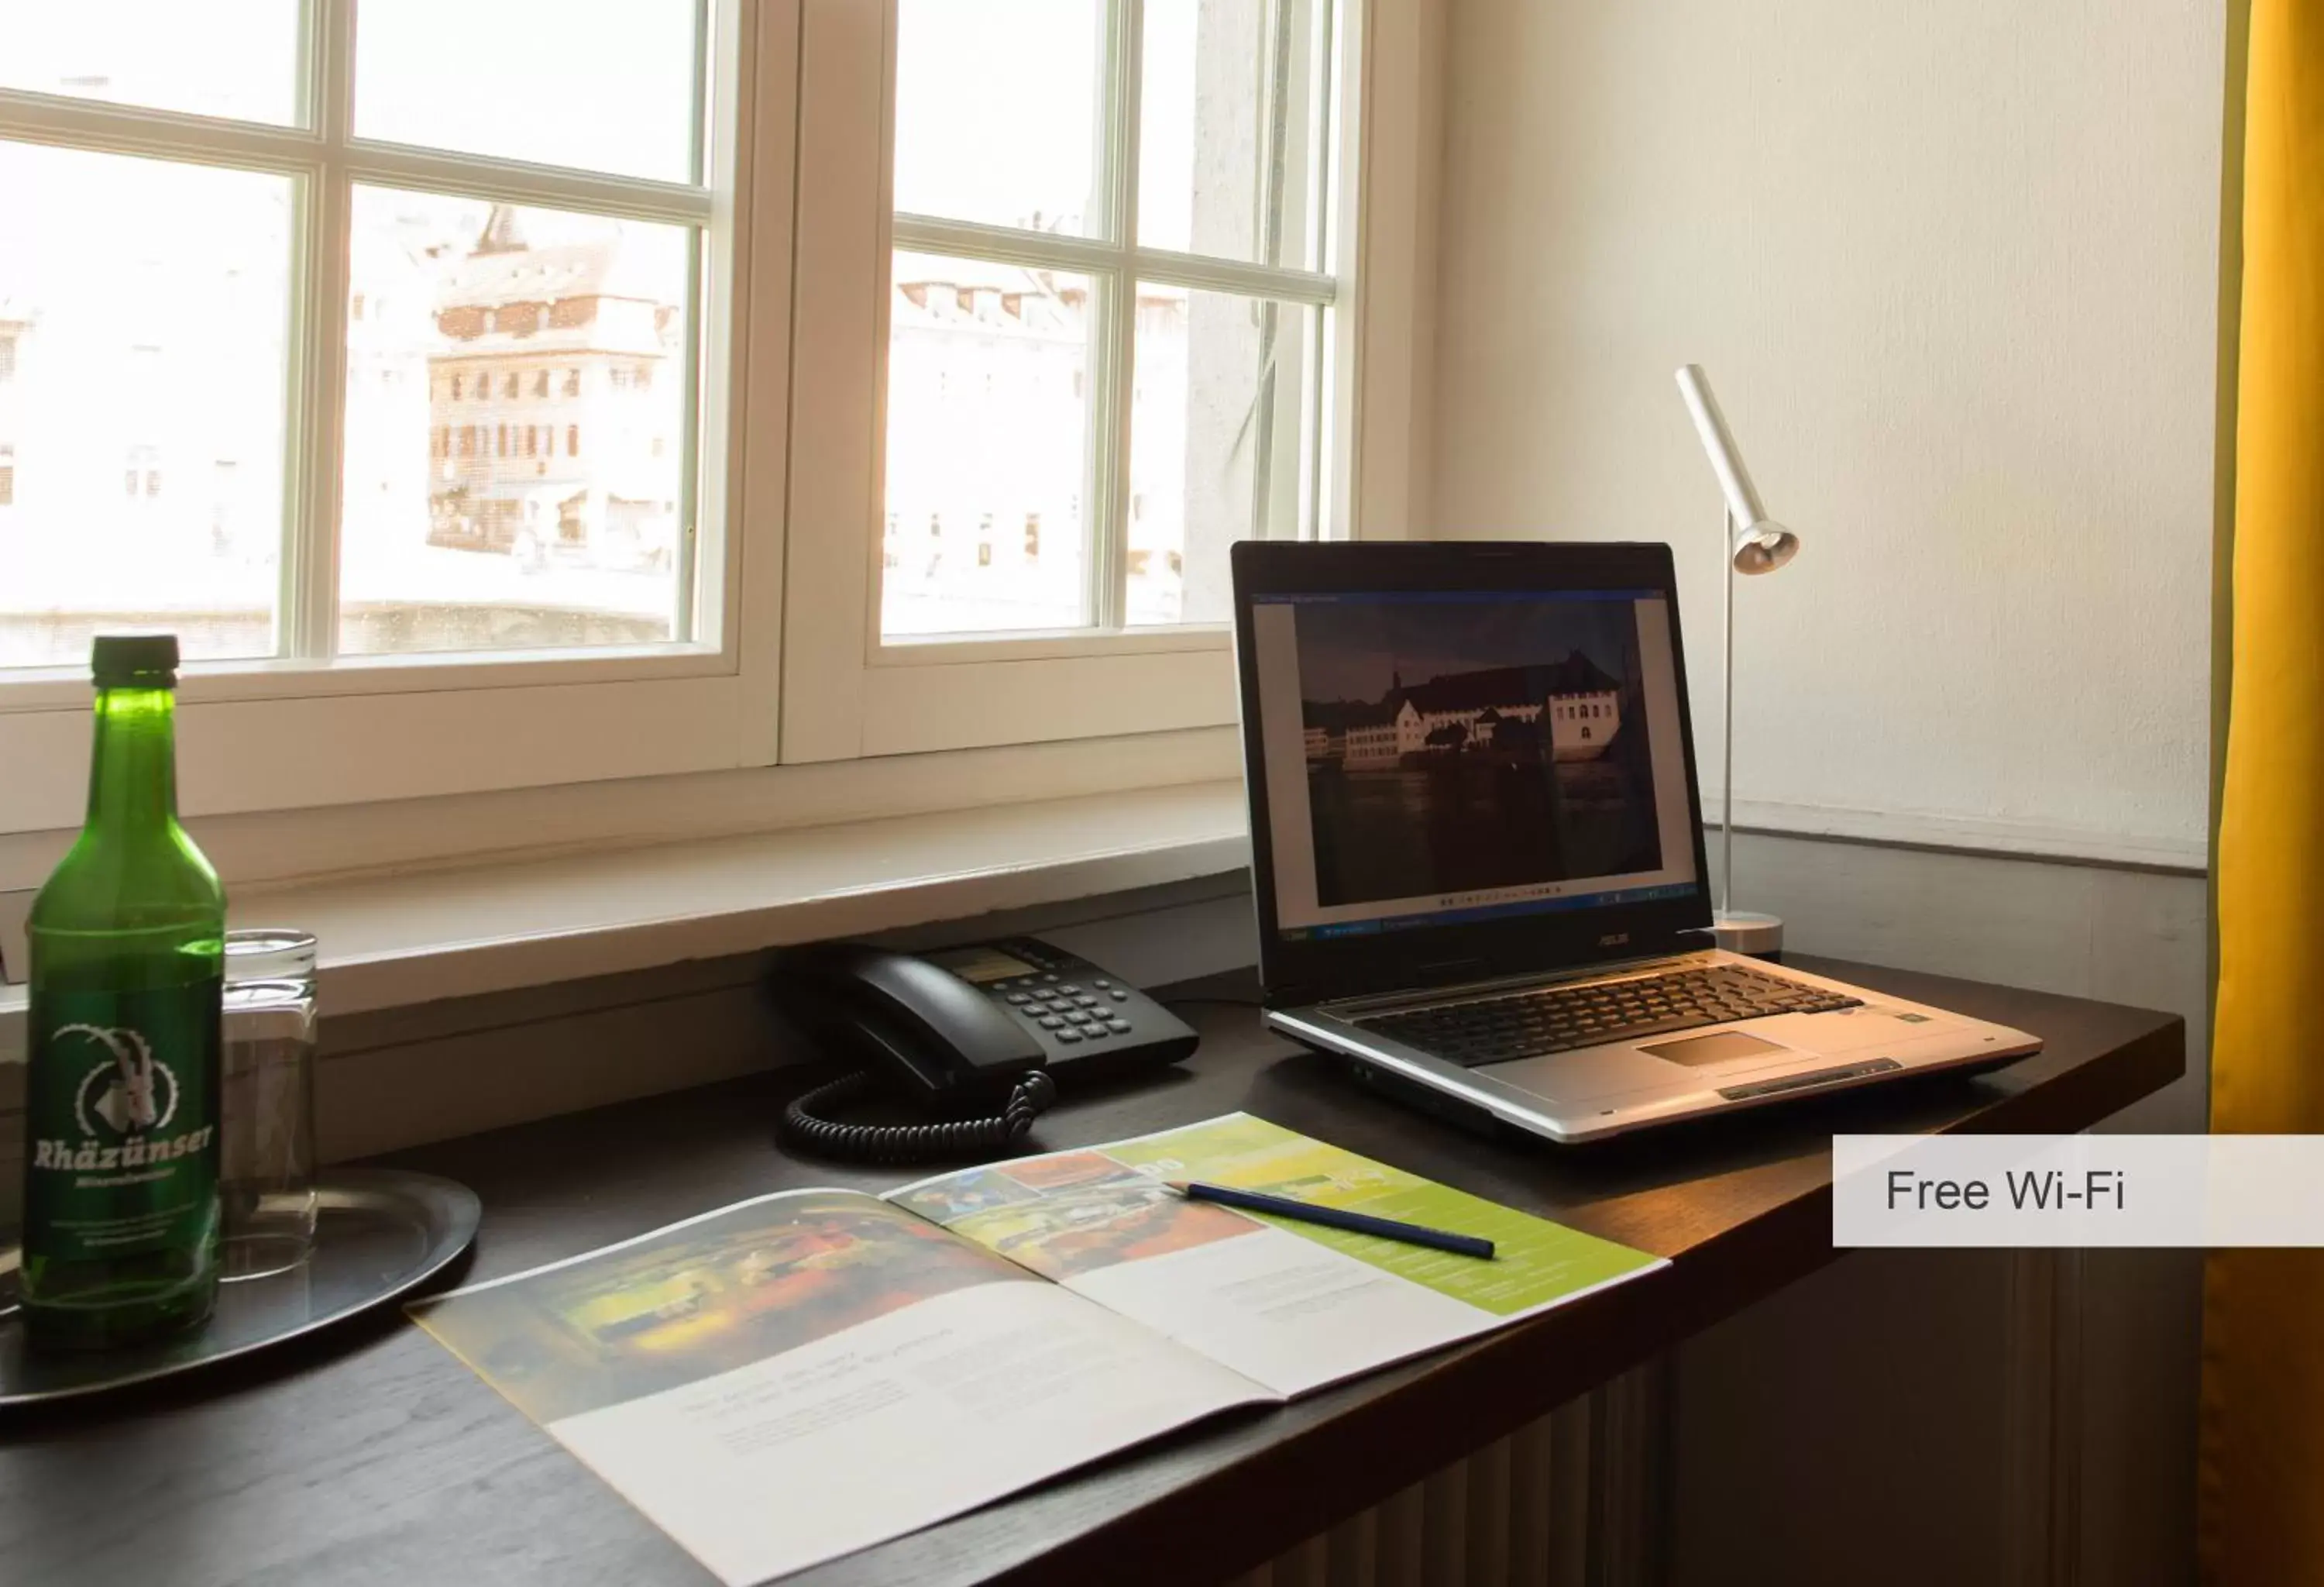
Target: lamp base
(1739, 931)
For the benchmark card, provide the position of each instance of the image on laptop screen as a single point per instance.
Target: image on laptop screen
(1461, 755)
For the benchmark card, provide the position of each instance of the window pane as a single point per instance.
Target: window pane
(997, 110)
(1230, 141)
(607, 88)
(515, 444)
(1221, 424)
(987, 442)
(143, 314)
(239, 60)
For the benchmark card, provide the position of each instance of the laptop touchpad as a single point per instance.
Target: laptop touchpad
(1721, 1046)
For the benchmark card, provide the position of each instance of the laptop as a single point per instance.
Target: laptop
(1477, 844)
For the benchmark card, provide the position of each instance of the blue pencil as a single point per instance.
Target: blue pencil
(1253, 1201)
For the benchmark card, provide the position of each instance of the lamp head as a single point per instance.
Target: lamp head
(1764, 546)
(1761, 544)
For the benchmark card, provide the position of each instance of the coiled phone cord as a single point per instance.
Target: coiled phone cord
(911, 1143)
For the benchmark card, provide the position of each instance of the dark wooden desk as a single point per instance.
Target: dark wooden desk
(373, 1456)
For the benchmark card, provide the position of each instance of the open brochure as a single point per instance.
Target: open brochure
(797, 1377)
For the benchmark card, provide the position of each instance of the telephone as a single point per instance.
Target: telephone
(979, 1035)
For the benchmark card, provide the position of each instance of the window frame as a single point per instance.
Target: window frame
(308, 727)
(848, 690)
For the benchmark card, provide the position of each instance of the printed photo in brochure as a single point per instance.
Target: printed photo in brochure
(1074, 1214)
(1462, 744)
(750, 1283)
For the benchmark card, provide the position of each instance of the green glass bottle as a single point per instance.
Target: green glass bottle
(121, 1100)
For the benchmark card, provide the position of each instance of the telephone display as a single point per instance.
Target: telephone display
(980, 965)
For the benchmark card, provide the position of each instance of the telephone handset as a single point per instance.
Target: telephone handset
(981, 1035)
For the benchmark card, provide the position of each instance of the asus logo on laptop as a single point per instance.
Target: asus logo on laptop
(1613, 939)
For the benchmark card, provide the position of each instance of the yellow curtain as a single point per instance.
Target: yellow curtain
(2262, 1498)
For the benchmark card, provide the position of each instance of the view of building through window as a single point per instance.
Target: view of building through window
(1005, 468)
(988, 440)
(145, 306)
(515, 426)
(515, 448)
(1073, 439)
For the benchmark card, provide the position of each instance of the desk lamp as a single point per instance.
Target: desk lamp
(1753, 543)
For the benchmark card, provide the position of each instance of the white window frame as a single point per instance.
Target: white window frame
(383, 765)
(847, 690)
(310, 728)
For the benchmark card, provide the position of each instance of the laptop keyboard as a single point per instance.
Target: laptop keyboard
(1556, 1019)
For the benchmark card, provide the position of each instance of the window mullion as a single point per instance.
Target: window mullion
(309, 596)
(152, 134)
(494, 178)
(1116, 386)
(1206, 273)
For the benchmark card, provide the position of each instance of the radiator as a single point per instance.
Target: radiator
(1562, 1502)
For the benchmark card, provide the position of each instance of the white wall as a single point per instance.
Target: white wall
(1952, 268)
(1952, 265)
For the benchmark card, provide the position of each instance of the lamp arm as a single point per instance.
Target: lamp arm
(1718, 445)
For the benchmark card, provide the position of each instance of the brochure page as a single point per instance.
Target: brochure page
(1290, 1305)
(798, 1376)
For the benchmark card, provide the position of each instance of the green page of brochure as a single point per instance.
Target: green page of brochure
(1537, 1262)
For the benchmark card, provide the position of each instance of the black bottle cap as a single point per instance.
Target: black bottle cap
(134, 661)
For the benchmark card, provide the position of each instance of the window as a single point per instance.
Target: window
(1032, 252)
(1116, 280)
(1076, 375)
(287, 245)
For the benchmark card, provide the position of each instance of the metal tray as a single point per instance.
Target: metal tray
(379, 1235)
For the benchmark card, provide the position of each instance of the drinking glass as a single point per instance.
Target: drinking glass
(266, 1166)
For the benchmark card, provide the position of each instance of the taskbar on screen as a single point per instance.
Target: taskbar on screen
(1457, 917)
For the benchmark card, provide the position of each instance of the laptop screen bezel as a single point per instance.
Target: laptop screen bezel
(1315, 969)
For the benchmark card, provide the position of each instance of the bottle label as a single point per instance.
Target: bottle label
(122, 1149)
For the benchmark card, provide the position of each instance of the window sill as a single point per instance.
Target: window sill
(395, 941)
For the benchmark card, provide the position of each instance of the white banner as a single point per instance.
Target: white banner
(2078, 1190)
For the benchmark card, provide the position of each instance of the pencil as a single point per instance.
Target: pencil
(1253, 1201)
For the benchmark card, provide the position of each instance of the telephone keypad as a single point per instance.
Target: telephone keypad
(1064, 1003)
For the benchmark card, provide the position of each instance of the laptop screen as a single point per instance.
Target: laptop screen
(1456, 756)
